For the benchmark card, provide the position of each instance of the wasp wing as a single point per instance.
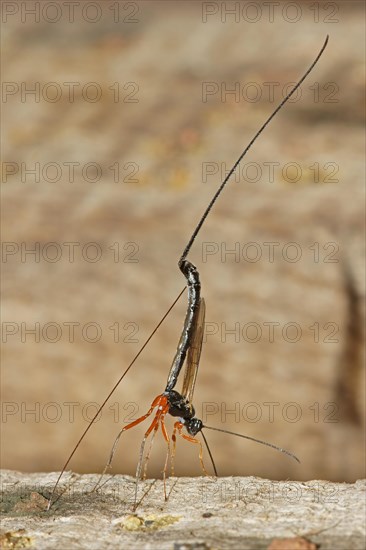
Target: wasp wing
(194, 353)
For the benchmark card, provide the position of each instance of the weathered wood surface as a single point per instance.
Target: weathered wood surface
(201, 513)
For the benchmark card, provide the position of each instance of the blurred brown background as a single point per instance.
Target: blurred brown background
(121, 87)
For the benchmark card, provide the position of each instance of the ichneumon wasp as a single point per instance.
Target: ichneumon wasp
(172, 402)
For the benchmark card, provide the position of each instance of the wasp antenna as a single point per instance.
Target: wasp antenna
(210, 454)
(252, 141)
(255, 440)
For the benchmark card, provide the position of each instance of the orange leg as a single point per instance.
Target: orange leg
(161, 402)
(158, 421)
(163, 407)
(179, 426)
(166, 437)
(172, 456)
(147, 457)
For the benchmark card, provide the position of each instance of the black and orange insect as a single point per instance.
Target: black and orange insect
(170, 401)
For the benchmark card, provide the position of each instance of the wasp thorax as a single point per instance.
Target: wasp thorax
(179, 406)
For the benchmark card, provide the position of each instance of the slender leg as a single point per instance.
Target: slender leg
(166, 437)
(138, 471)
(191, 439)
(163, 408)
(147, 457)
(154, 404)
(172, 456)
